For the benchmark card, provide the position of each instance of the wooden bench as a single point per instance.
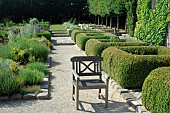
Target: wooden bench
(88, 66)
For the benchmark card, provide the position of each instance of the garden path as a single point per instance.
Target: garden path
(61, 89)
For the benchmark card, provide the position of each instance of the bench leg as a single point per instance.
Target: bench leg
(77, 98)
(106, 95)
(73, 94)
(99, 96)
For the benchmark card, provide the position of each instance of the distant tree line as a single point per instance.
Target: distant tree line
(51, 10)
(115, 10)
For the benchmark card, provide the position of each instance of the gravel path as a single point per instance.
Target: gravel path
(61, 90)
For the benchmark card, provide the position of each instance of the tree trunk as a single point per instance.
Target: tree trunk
(106, 20)
(110, 21)
(102, 21)
(98, 20)
(95, 19)
(117, 23)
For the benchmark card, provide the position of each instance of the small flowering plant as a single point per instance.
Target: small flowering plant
(12, 65)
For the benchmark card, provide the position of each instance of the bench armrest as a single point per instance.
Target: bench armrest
(105, 75)
(75, 74)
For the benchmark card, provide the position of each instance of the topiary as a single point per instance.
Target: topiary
(156, 92)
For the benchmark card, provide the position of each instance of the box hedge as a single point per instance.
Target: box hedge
(82, 38)
(76, 32)
(46, 34)
(156, 92)
(130, 69)
(95, 47)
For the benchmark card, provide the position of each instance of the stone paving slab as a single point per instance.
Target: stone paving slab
(61, 89)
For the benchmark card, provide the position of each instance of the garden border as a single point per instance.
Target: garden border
(44, 88)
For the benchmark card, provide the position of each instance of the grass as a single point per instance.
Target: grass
(58, 27)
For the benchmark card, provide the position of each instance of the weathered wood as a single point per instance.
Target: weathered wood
(88, 66)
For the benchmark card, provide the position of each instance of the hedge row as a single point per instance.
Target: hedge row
(46, 34)
(156, 92)
(76, 32)
(82, 38)
(95, 47)
(130, 70)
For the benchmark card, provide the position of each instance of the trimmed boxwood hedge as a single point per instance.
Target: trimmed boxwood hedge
(46, 34)
(82, 38)
(95, 47)
(130, 70)
(76, 32)
(156, 91)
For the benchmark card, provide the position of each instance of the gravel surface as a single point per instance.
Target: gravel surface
(61, 89)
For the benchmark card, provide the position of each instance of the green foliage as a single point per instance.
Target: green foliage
(129, 70)
(75, 22)
(31, 77)
(44, 24)
(156, 92)
(24, 50)
(115, 38)
(38, 66)
(76, 32)
(9, 84)
(30, 89)
(95, 47)
(46, 34)
(151, 26)
(58, 27)
(82, 38)
(10, 64)
(4, 33)
(141, 50)
(131, 16)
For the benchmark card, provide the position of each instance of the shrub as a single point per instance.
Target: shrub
(24, 50)
(76, 32)
(42, 40)
(31, 77)
(46, 34)
(130, 70)
(38, 66)
(115, 38)
(82, 38)
(75, 22)
(8, 84)
(4, 33)
(94, 47)
(156, 92)
(13, 66)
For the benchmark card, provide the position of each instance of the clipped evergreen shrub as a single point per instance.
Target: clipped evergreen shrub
(95, 47)
(76, 32)
(156, 92)
(129, 70)
(46, 34)
(82, 38)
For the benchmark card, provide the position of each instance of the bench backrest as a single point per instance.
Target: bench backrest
(87, 65)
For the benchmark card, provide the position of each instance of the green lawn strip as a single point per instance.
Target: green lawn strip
(57, 27)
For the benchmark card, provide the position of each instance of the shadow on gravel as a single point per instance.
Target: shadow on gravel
(16, 103)
(114, 107)
(53, 63)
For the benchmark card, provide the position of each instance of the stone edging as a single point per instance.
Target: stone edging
(129, 97)
(44, 89)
